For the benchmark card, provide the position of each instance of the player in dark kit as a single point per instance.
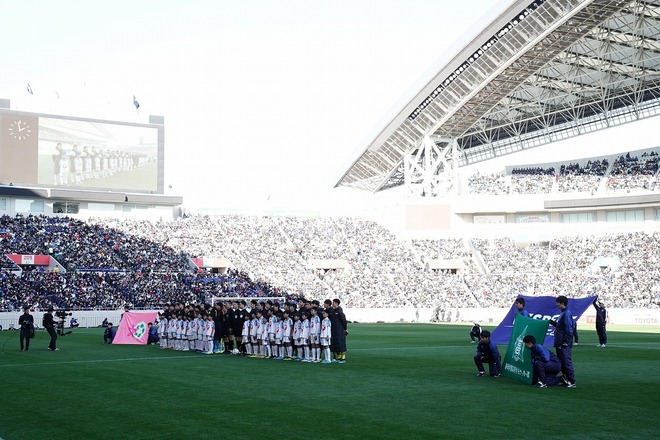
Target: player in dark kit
(601, 322)
(238, 318)
(218, 320)
(226, 328)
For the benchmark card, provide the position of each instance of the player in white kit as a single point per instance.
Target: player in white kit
(326, 333)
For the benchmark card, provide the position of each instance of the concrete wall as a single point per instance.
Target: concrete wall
(487, 317)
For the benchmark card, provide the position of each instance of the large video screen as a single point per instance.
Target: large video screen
(53, 151)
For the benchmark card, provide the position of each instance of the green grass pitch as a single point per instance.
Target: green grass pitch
(401, 381)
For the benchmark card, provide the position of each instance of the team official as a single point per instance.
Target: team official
(26, 324)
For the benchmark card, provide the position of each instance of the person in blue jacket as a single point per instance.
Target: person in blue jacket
(520, 305)
(487, 352)
(545, 364)
(152, 337)
(109, 334)
(564, 327)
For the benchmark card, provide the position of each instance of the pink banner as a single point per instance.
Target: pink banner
(133, 328)
(36, 260)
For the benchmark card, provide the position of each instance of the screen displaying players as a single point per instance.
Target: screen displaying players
(78, 153)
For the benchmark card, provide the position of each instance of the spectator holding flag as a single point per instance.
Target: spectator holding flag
(564, 328)
(545, 364)
(601, 321)
(487, 352)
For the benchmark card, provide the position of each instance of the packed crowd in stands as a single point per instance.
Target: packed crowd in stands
(532, 184)
(111, 263)
(630, 172)
(490, 184)
(627, 173)
(108, 264)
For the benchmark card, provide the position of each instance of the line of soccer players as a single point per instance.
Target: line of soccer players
(265, 333)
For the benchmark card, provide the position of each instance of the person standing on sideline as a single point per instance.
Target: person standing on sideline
(520, 305)
(601, 321)
(49, 325)
(26, 324)
(339, 330)
(487, 352)
(545, 364)
(564, 327)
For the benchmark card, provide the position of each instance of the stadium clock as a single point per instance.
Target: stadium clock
(19, 130)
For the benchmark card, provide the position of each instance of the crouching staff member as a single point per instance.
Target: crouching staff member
(546, 365)
(487, 352)
(49, 325)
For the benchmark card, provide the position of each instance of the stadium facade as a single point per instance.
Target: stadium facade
(531, 75)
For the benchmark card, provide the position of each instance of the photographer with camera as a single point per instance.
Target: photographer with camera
(26, 324)
(49, 325)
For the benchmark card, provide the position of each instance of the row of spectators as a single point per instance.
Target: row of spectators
(627, 173)
(143, 264)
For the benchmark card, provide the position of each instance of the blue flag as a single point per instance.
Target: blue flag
(136, 103)
(539, 307)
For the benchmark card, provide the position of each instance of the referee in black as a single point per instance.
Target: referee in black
(26, 323)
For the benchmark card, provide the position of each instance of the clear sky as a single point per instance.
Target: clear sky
(265, 102)
(260, 98)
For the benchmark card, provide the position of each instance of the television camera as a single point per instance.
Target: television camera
(61, 315)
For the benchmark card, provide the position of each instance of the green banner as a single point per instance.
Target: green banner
(518, 360)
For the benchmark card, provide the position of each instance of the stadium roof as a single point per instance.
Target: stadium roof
(539, 72)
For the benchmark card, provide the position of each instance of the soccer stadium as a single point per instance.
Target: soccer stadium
(89, 230)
